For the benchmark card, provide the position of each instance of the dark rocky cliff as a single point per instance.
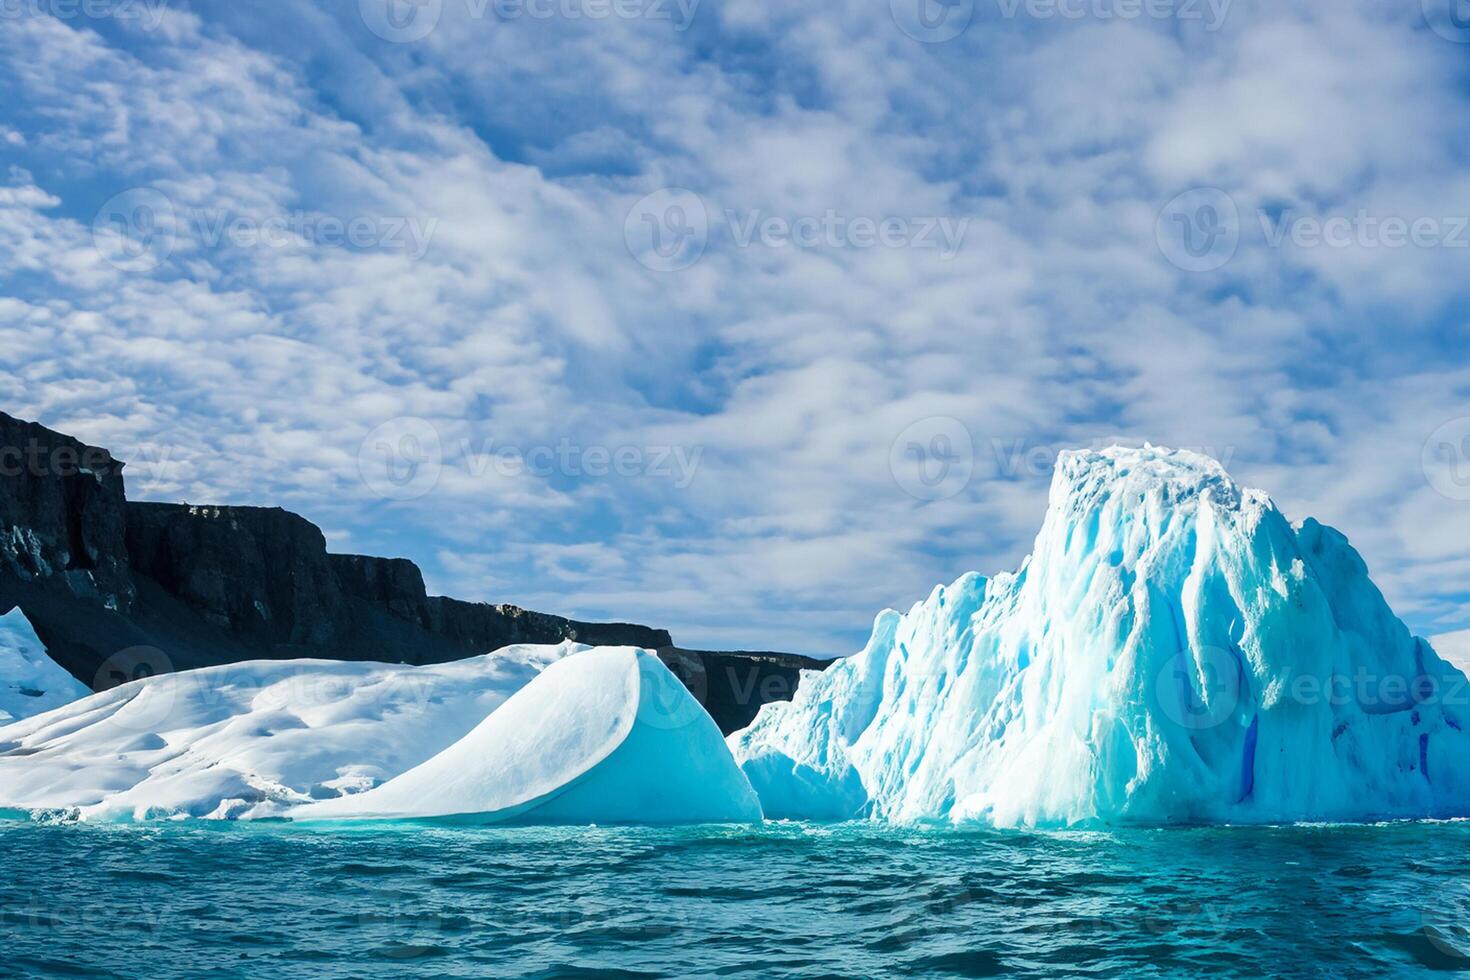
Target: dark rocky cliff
(261, 573)
(119, 589)
(732, 686)
(61, 514)
(397, 585)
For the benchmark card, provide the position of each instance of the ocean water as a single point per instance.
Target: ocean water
(786, 900)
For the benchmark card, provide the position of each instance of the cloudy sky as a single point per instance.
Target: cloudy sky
(745, 318)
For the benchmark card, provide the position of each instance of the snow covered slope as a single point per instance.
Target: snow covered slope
(606, 736)
(248, 740)
(1172, 651)
(30, 681)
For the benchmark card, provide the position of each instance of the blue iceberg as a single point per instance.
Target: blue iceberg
(608, 735)
(1173, 651)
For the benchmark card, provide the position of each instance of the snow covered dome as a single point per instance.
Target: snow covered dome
(1173, 650)
(251, 739)
(605, 736)
(563, 734)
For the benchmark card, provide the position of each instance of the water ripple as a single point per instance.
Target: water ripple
(786, 900)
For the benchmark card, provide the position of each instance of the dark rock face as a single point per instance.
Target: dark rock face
(733, 686)
(61, 514)
(396, 584)
(476, 623)
(118, 590)
(262, 573)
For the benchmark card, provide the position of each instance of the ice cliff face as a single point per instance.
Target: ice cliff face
(1172, 651)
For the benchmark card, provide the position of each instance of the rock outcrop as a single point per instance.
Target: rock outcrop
(61, 514)
(396, 584)
(733, 685)
(261, 573)
(117, 589)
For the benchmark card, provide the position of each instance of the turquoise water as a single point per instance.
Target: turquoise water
(788, 900)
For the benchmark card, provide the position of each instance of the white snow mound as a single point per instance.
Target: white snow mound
(606, 736)
(30, 681)
(1173, 650)
(252, 739)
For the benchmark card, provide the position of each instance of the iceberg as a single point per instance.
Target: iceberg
(609, 735)
(253, 739)
(30, 681)
(1172, 651)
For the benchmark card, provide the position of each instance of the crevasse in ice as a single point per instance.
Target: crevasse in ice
(1173, 650)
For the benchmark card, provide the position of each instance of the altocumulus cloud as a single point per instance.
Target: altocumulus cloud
(625, 309)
